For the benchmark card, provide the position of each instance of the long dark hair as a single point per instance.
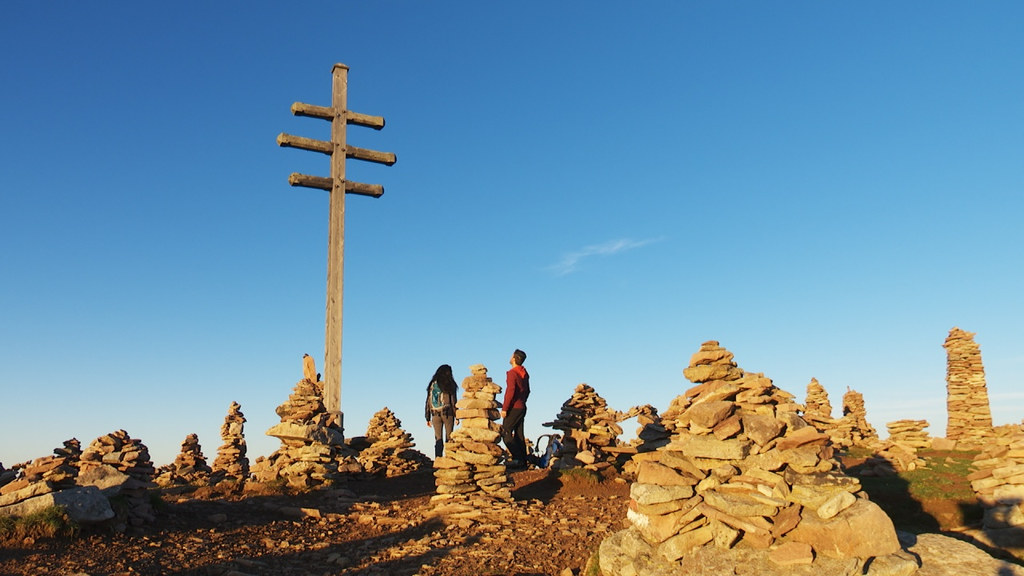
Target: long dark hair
(444, 379)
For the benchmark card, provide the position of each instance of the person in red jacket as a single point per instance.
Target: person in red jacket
(513, 409)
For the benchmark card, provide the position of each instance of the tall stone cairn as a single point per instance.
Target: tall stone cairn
(817, 412)
(313, 453)
(391, 451)
(998, 480)
(969, 416)
(472, 482)
(42, 475)
(743, 474)
(590, 431)
(853, 429)
(189, 466)
(231, 463)
(120, 453)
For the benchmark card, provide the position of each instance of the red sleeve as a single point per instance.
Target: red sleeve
(511, 384)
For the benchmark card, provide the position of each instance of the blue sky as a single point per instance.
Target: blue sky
(825, 188)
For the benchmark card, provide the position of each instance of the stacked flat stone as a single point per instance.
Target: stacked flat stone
(42, 475)
(231, 463)
(471, 480)
(742, 470)
(998, 480)
(121, 453)
(910, 433)
(391, 451)
(590, 431)
(817, 412)
(969, 416)
(651, 434)
(313, 452)
(189, 466)
(853, 428)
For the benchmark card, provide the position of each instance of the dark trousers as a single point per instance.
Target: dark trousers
(512, 433)
(442, 426)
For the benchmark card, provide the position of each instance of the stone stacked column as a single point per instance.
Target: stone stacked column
(313, 452)
(817, 404)
(998, 480)
(118, 452)
(471, 480)
(390, 452)
(743, 471)
(189, 467)
(969, 416)
(589, 430)
(853, 428)
(231, 464)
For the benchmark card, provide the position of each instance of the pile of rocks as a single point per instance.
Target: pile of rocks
(231, 464)
(189, 467)
(910, 434)
(313, 452)
(589, 428)
(853, 428)
(816, 404)
(471, 479)
(969, 416)
(390, 451)
(651, 434)
(119, 465)
(998, 480)
(42, 475)
(743, 470)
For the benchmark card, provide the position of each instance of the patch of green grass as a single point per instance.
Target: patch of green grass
(579, 474)
(51, 522)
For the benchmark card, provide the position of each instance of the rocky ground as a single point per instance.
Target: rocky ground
(382, 526)
(365, 527)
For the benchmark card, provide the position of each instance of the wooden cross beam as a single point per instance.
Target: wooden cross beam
(338, 149)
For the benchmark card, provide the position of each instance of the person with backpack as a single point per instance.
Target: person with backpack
(513, 410)
(442, 393)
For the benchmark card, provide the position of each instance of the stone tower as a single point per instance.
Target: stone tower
(968, 411)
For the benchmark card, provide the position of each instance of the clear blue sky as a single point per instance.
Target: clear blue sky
(826, 188)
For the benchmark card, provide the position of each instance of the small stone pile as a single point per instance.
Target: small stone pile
(313, 452)
(391, 450)
(910, 433)
(590, 431)
(42, 475)
(969, 416)
(471, 480)
(189, 467)
(120, 465)
(231, 463)
(853, 428)
(743, 470)
(817, 404)
(998, 480)
(652, 433)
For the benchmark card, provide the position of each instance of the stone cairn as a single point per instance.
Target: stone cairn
(390, 451)
(853, 428)
(743, 472)
(42, 475)
(650, 436)
(118, 454)
(313, 452)
(969, 416)
(898, 453)
(817, 412)
(231, 463)
(590, 431)
(471, 480)
(189, 467)
(998, 480)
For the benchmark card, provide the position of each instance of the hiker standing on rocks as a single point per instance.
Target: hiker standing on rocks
(442, 394)
(513, 409)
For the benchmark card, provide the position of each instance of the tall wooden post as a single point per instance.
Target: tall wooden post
(338, 185)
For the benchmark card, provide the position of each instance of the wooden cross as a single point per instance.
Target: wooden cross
(338, 149)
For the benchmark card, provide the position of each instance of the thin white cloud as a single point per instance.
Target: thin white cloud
(570, 262)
